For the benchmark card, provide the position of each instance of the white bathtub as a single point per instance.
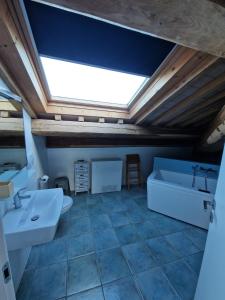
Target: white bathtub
(172, 194)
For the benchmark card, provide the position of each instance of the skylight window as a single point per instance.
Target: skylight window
(81, 82)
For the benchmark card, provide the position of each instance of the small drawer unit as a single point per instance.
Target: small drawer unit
(81, 176)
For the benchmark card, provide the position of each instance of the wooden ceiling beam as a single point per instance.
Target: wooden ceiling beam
(11, 126)
(7, 106)
(191, 23)
(189, 101)
(74, 128)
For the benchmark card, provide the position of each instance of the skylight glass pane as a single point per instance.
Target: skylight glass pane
(82, 82)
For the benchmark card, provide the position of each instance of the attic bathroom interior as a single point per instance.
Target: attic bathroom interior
(112, 163)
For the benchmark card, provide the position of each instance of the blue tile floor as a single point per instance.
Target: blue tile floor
(111, 246)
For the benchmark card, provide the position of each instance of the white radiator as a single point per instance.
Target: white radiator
(106, 175)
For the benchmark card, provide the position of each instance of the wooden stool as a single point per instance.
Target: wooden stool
(133, 170)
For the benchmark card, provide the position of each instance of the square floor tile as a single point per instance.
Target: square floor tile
(148, 214)
(181, 243)
(65, 216)
(127, 234)
(81, 245)
(100, 222)
(136, 192)
(119, 219)
(122, 289)
(93, 294)
(112, 265)
(138, 257)
(94, 199)
(82, 274)
(195, 261)
(78, 226)
(141, 201)
(96, 209)
(167, 225)
(162, 250)
(34, 258)
(78, 211)
(198, 237)
(135, 215)
(105, 239)
(146, 230)
(25, 287)
(111, 196)
(62, 228)
(79, 202)
(154, 285)
(52, 252)
(113, 205)
(183, 279)
(131, 204)
(49, 282)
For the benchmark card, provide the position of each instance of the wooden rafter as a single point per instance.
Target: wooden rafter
(198, 117)
(7, 78)
(218, 98)
(17, 60)
(191, 23)
(198, 64)
(175, 61)
(180, 107)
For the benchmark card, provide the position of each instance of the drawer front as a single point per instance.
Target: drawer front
(81, 186)
(78, 182)
(81, 190)
(82, 172)
(82, 175)
(84, 167)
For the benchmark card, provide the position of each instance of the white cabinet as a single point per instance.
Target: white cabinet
(106, 175)
(81, 176)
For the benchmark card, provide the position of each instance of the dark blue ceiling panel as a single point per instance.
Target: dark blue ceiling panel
(73, 37)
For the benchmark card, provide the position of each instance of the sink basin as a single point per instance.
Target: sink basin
(36, 221)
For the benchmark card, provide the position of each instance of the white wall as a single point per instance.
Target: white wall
(61, 160)
(15, 155)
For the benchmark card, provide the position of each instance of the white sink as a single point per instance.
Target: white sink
(36, 221)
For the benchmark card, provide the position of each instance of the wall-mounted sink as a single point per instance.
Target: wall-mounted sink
(36, 221)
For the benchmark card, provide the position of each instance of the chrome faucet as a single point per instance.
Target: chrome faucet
(207, 171)
(18, 197)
